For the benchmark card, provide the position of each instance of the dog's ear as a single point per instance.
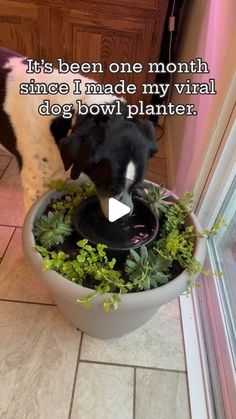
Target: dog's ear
(76, 153)
(78, 148)
(69, 148)
(148, 130)
(60, 128)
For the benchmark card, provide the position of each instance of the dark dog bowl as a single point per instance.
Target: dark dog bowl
(129, 232)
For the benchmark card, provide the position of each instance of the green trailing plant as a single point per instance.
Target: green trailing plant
(90, 262)
(145, 272)
(176, 216)
(51, 229)
(74, 194)
(179, 246)
(218, 224)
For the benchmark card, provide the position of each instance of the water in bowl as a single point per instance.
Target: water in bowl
(125, 233)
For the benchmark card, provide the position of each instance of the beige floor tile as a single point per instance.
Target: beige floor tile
(5, 235)
(4, 151)
(103, 392)
(11, 203)
(17, 282)
(11, 176)
(4, 161)
(38, 355)
(11, 198)
(161, 395)
(156, 344)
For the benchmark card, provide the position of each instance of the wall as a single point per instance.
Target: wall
(209, 32)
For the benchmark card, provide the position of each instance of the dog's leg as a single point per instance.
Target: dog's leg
(34, 179)
(41, 159)
(32, 183)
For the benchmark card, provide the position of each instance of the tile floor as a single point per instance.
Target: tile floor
(50, 370)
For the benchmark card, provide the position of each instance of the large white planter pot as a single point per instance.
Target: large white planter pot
(135, 308)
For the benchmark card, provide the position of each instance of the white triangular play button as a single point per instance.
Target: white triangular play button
(116, 210)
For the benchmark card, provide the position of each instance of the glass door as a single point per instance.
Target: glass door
(211, 309)
(223, 250)
(215, 299)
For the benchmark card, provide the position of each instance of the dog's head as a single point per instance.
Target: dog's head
(113, 151)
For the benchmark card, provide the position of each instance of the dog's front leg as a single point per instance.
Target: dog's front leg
(33, 187)
(34, 178)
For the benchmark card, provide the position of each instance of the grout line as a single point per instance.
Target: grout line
(9, 225)
(182, 330)
(134, 394)
(27, 302)
(8, 244)
(132, 366)
(75, 376)
(4, 171)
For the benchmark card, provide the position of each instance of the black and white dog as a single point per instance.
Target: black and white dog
(112, 150)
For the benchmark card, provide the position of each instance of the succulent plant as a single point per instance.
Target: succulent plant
(52, 228)
(157, 197)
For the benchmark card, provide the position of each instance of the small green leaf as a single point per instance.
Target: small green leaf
(135, 255)
(143, 253)
(131, 264)
(82, 243)
(106, 305)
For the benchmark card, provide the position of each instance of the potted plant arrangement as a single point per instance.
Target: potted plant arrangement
(105, 283)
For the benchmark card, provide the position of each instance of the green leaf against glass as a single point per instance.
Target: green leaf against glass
(218, 224)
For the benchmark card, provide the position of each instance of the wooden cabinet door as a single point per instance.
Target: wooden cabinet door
(84, 31)
(24, 28)
(109, 33)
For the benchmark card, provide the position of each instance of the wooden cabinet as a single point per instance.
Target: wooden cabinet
(106, 31)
